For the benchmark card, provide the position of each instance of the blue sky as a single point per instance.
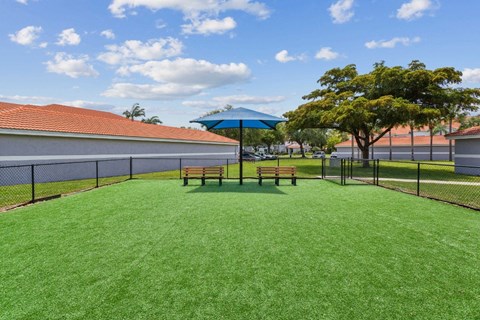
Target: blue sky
(182, 58)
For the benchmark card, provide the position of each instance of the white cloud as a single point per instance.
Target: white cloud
(471, 75)
(150, 91)
(392, 43)
(326, 53)
(341, 11)
(178, 78)
(43, 45)
(26, 36)
(191, 8)
(73, 67)
(35, 100)
(68, 37)
(40, 100)
(160, 24)
(191, 72)
(233, 100)
(284, 57)
(108, 34)
(414, 9)
(93, 105)
(209, 26)
(22, 1)
(132, 51)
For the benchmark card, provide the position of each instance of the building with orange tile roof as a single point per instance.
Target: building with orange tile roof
(39, 134)
(399, 146)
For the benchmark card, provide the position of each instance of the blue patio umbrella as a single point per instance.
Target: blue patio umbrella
(239, 118)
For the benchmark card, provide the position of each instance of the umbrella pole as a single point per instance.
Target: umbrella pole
(241, 151)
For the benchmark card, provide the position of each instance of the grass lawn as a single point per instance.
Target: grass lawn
(148, 249)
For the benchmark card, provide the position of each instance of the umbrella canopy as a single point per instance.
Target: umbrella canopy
(239, 118)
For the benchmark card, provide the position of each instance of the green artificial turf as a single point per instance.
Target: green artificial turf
(157, 250)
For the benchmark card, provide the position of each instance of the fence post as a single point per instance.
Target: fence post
(323, 168)
(33, 182)
(374, 171)
(322, 173)
(96, 173)
(351, 168)
(180, 168)
(131, 168)
(341, 171)
(418, 179)
(227, 168)
(378, 171)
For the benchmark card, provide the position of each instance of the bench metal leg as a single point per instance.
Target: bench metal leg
(185, 181)
(294, 181)
(277, 182)
(203, 181)
(260, 181)
(220, 181)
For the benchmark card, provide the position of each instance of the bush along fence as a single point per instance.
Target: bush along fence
(20, 184)
(451, 183)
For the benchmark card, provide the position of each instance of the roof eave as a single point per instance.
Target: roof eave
(104, 137)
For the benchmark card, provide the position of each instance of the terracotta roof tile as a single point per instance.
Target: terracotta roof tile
(82, 111)
(57, 118)
(404, 141)
(473, 131)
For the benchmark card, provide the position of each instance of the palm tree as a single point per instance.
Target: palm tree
(152, 120)
(135, 112)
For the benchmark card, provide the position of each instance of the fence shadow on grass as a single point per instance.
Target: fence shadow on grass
(234, 187)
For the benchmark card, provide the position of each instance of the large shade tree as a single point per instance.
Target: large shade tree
(365, 105)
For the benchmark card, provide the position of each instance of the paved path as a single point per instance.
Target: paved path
(460, 183)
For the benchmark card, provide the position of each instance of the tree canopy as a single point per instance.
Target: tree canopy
(369, 105)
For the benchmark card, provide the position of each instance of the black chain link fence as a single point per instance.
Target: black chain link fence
(455, 184)
(28, 183)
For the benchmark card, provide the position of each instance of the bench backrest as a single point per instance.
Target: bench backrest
(203, 171)
(277, 170)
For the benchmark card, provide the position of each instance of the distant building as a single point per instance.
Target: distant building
(467, 144)
(400, 146)
(56, 133)
(295, 147)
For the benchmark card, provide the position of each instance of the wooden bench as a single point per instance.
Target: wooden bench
(277, 173)
(202, 173)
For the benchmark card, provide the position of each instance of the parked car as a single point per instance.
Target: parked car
(270, 156)
(334, 155)
(247, 156)
(266, 156)
(260, 155)
(318, 155)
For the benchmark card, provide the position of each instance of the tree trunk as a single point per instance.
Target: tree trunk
(302, 151)
(365, 156)
(431, 144)
(353, 154)
(412, 156)
(450, 146)
(390, 144)
(373, 147)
